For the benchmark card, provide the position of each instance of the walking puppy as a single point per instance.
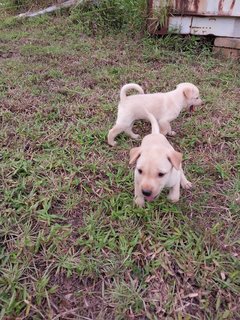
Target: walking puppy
(164, 106)
(158, 166)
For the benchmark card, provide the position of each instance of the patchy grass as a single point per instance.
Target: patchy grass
(73, 245)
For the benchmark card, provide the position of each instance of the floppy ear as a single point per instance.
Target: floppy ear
(187, 92)
(134, 154)
(175, 158)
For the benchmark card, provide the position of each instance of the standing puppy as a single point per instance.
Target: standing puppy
(158, 166)
(164, 106)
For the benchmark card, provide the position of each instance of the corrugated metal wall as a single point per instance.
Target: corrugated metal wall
(200, 17)
(207, 7)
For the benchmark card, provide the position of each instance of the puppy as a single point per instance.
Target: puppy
(158, 166)
(164, 106)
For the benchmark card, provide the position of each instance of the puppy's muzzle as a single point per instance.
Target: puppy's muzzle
(146, 193)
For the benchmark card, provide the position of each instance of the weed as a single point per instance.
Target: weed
(110, 15)
(159, 16)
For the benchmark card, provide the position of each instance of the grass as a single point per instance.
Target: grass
(73, 246)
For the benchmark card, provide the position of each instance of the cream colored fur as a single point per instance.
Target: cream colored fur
(158, 166)
(164, 106)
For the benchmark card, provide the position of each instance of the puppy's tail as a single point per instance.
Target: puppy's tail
(154, 123)
(129, 86)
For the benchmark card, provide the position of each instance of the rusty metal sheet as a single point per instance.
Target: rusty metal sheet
(207, 7)
(201, 17)
(201, 7)
(180, 24)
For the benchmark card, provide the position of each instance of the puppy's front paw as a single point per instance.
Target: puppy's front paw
(187, 185)
(172, 133)
(173, 198)
(139, 201)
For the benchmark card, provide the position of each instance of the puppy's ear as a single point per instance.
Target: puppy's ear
(187, 92)
(134, 154)
(175, 158)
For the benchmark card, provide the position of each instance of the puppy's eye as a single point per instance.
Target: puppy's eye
(140, 171)
(161, 174)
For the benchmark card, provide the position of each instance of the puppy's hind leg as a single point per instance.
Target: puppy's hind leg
(131, 133)
(116, 130)
(120, 126)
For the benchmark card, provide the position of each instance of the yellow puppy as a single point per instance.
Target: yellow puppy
(164, 106)
(158, 166)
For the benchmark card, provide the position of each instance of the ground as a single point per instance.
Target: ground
(73, 246)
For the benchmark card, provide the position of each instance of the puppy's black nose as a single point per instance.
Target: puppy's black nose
(146, 193)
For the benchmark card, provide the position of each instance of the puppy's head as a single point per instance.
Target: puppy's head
(191, 95)
(154, 169)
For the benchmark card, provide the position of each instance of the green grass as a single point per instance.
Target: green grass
(72, 243)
